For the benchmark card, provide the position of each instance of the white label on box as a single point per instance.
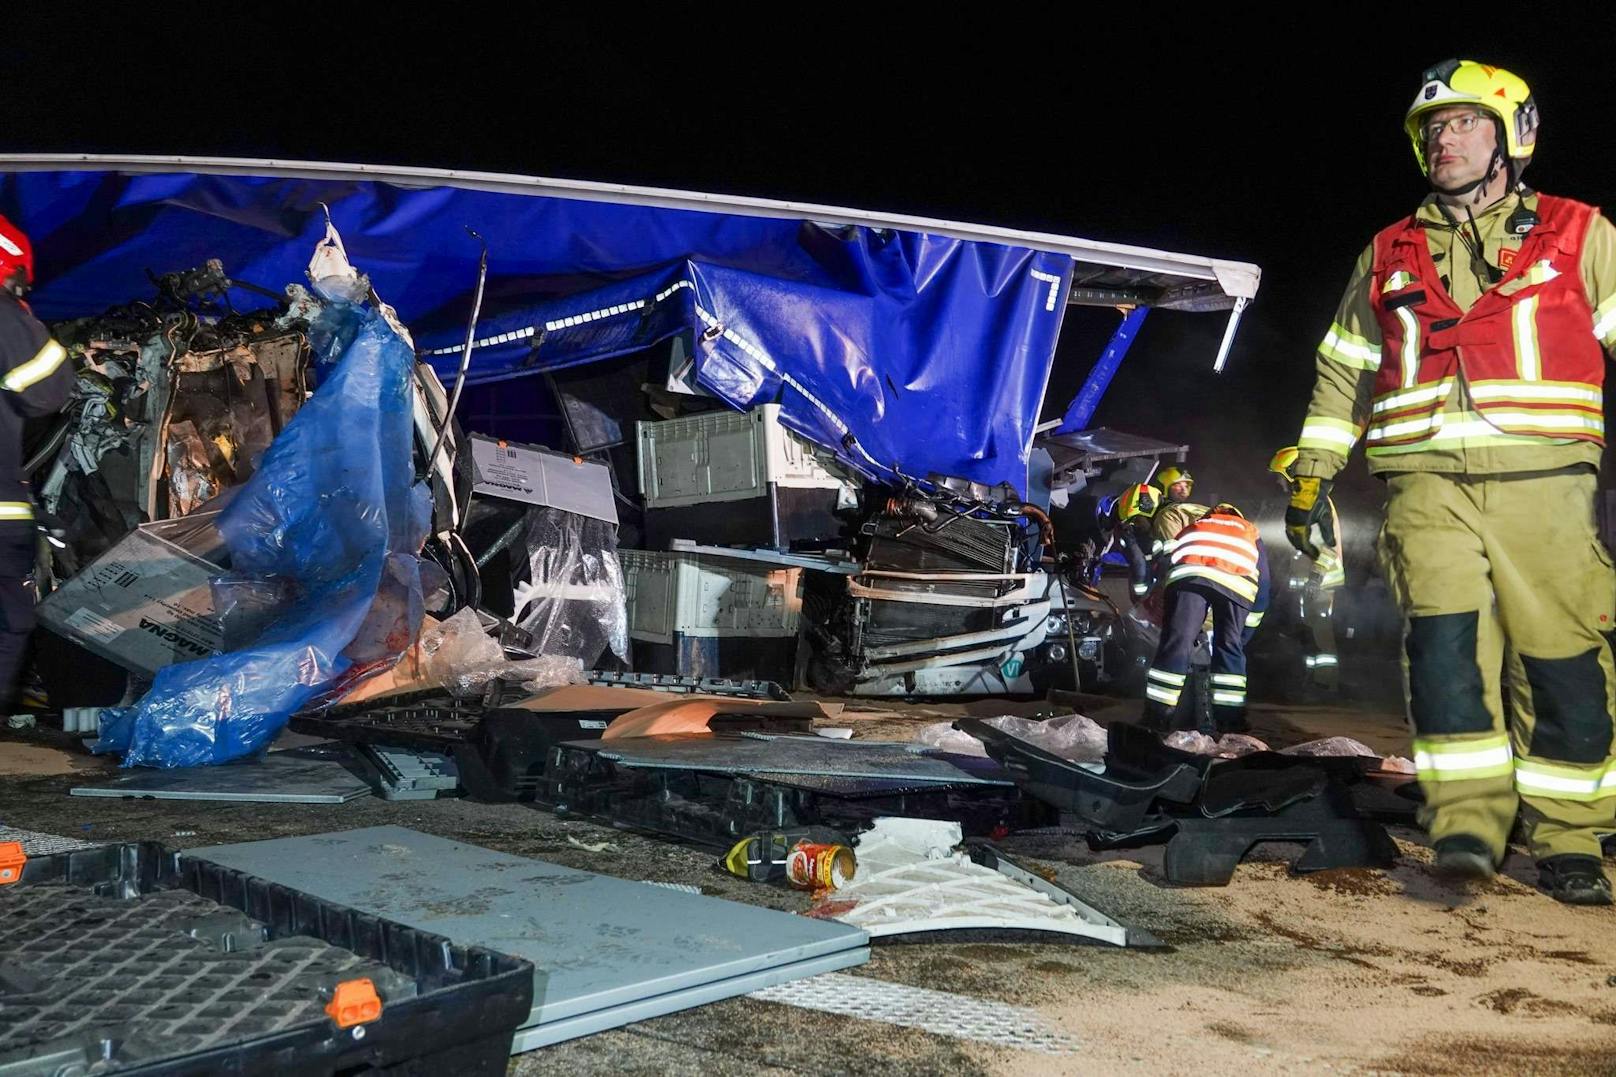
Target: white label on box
(586, 723)
(519, 473)
(94, 625)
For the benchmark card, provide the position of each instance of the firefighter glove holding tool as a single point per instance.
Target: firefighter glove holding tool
(1310, 505)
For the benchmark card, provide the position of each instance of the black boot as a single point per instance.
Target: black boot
(1158, 718)
(1463, 858)
(1574, 879)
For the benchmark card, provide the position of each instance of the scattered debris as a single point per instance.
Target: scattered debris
(599, 847)
(1209, 811)
(913, 882)
(1332, 746)
(1070, 736)
(1227, 746)
(770, 856)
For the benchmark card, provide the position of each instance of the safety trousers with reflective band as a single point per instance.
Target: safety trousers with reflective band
(1187, 605)
(1316, 607)
(1507, 589)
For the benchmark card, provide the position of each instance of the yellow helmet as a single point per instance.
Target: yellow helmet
(1167, 477)
(1466, 82)
(1223, 508)
(1284, 460)
(1141, 500)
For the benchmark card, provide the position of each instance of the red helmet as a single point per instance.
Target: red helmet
(15, 253)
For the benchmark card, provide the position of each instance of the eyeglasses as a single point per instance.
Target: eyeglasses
(1461, 125)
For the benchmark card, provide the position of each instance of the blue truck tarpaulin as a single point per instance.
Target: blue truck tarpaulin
(333, 515)
(897, 349)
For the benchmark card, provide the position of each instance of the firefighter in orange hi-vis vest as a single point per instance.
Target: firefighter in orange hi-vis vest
(1215, 564)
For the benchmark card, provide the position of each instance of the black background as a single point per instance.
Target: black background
(1243, 132)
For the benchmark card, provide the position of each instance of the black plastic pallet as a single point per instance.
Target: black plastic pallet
(132, 959)
(717, 809)
(1210, 812)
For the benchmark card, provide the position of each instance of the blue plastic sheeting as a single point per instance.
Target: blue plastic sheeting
(334, 518)
(896, 349)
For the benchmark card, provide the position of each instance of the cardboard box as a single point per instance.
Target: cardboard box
(146, 603)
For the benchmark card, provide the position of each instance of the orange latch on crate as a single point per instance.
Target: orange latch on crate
(12, 858)
(354, 1002)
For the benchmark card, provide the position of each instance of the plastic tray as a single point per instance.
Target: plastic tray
(132, 959)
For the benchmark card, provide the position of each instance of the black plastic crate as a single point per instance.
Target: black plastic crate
(132, 959)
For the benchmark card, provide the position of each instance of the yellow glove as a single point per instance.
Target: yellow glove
(1310, 506)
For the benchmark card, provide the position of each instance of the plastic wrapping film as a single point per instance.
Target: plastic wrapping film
(574, 601)
(330, 527)
(461, 656)
(1070, 736)
(1227, 746)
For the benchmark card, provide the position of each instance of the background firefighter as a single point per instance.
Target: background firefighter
(1315, 576)
(1468, 353)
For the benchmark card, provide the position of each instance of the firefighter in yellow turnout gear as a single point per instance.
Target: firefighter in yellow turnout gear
(1468, 354)
(1177, 510)
(1315, 577)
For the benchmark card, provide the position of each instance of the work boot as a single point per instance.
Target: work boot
(1574, 879)
(1463, 858)
(1158, 718)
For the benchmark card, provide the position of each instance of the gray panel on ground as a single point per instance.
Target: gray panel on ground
(599, 944)
(535, 1036)
(314, 775)
(797, 755)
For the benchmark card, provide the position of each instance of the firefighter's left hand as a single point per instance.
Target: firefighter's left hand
(1310, 504)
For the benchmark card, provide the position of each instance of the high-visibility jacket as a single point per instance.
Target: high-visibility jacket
(35, 380)
(1224, 551)
(1349, 357)
(1524, 351)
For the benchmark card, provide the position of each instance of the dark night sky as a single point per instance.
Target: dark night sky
(1265, 137)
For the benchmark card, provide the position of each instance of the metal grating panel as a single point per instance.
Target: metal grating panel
(35, 843)
(959, 1017)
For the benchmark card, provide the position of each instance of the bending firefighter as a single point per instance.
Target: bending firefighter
(1217, 565)
(35, 380)
(1468, 355)
(1132, 514)
(1314, 586)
